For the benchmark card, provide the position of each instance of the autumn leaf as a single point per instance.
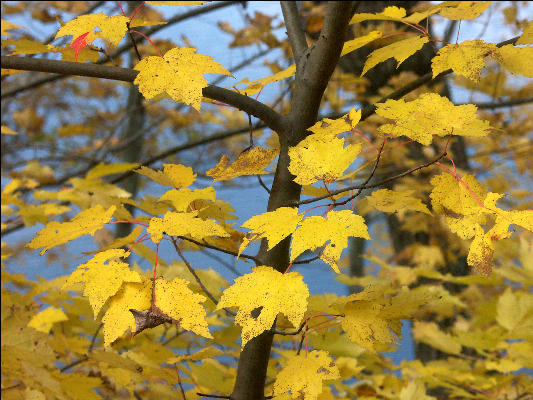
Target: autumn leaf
(86, 222)
(346, 123)
(321, 157)
(183, 224)
(396, 201)
(315, 231)
(261, 295)
(175, 300)
(181, 198)
(415, 390)
(118, 317)
(392, 13)
(354, 44)
(303, 375)
(250, 162)
(179, 73)
(420, 119)
(516, 59)
(176, 175)
(103, 276)
(7, 26)
(111, 29)
(467, 58)
(465, 10)
(44, 320)
(256, 85)
(432, 335)
(527, 35)
(108, 169)
(515, 312)
(400, 50)
(274, 226)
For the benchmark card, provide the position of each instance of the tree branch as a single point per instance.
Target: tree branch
(210, 246)
(125, 47)
(294, 30)
(270, 117)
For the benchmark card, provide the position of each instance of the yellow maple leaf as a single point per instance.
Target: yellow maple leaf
(515, 310)
(467, 58)
(176, 175)
(6, 26)
(179, 73)
(44, 320)
(321, 157)
(111, 29)
(430, 333)
(108, 169)
(86, 222)
(396, 201)
(354, 44)
(304, 373)
(516, 59)
(420, 119)
(327, 126)
(181, 304)
(465, 10)
(183, 224)
(481, 252)
(261, 295)
(80, 386)
(103, 280)
(251, 162)
(415, 390)
(527, 35)
(6, 130)
(181, 198)
(336, 228)
(118, 317)
(400, 50)
(392, 13)
(26, 46)
(274, 225)
(372, 318)
(256, 85)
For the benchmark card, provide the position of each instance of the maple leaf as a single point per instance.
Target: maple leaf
(354, 44)
(274, 226)
(321, 157)
(181, 199)
(176, 175)
(429, 333)
(175, 300)
(108, 169)
(465, 10)
(467, 58)
(415, 390)
(420, 119)
(250, 162)
(86, 222)
(515, 311)
(6, 26)
(372, 318)
(179, 73)
(26, 46)
(256, 85)
(261, 295)
(103, 280)
(392, 13)
(44, 320)
(304, 373)
(401, 50)
(111, 29)
(183, 224)
(315, 231)
(527, 35)
(118, 317)
(396, 201)
(347, 122)
(516, 59)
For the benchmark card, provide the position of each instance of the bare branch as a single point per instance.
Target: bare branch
(294, 30)
(210, 246)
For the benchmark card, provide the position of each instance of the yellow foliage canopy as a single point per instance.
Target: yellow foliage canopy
(261, 295)
(179, 74)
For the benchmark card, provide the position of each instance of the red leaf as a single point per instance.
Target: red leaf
(79, 43)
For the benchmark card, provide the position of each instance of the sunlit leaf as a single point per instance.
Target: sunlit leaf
(250, 162)
(44, 320)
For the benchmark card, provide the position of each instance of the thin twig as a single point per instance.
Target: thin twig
(210, 246)
(263, 184)
(347, 189)
(213, 396)
(197, 278)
